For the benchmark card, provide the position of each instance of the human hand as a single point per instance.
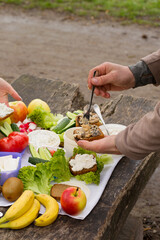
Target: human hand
(103, 145)
(5, 89)
(111, 77)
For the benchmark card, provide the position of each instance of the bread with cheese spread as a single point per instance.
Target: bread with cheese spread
(5, 111)
(84, 169)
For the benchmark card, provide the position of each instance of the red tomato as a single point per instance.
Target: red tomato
(15, 142)
(52, 152)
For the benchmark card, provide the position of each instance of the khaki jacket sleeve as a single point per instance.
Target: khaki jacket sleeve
(153, 63)
(142, 138)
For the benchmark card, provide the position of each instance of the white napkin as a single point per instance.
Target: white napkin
(89, 189)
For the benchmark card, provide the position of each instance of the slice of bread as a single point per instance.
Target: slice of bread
(92, 132)
(5, 111)
(84, 170)
(57, 190)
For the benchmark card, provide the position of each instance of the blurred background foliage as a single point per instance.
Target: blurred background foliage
(134, 11)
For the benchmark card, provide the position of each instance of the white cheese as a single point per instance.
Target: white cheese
(5, 110)
(82, 161)
(8, 163)
(44, 138)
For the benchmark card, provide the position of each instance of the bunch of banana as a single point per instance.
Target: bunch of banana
(26, 208)
(19, 207)
(51, 213)
(26, 219)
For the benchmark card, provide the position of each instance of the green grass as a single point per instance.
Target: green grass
(137, 11)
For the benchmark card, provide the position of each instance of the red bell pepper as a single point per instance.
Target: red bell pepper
(15, 142)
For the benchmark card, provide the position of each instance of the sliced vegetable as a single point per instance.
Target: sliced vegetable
(69, 125)
(48, 153)
(71, 115)
(78, 112)
(14, 127)
(6, 129)
(44, 153)
(61, 125)
(35, 160)
(33, 151)
(8, 126)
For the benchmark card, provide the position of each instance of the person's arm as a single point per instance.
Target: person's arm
(5, 89)
(147, 71)
(115, 77)
(142, 138)
(135, 142)
(153, 63)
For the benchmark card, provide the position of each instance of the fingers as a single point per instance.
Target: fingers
(101, 91)
(6, 89)
(96, 144)
(4, 99)
(14, 94)
(87, 145)
(104, 145)
(100, 69)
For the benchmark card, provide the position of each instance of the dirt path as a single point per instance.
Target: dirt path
(48, 45)
(51, 46)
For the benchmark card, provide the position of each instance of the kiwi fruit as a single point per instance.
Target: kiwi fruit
(12, 189)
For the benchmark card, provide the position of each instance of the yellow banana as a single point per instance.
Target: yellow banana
(26, 219)
(19, 207)
(51, 213)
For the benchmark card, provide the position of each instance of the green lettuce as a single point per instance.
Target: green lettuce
(43, 118)
(60, 166)
(39, 178)
(105, 158)
(90, 177)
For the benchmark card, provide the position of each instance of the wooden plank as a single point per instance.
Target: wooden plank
(126, 183)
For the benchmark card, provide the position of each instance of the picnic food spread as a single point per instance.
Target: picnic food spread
(41, 180)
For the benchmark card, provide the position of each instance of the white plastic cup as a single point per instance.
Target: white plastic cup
(69, 142)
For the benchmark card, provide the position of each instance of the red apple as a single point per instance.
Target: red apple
(73, 200)
(20, 111)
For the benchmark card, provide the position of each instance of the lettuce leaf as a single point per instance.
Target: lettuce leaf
(105, 158)
(38, 179)
(60, 167)
(92, 177)
(43, 118)
(80, 150)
